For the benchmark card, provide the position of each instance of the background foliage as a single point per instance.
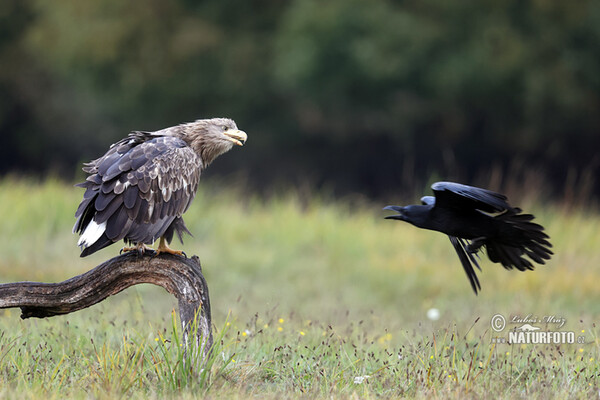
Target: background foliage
(348, 94)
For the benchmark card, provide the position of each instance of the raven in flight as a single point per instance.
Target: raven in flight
(474, 218)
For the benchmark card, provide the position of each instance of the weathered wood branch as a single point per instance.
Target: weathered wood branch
(180, 276)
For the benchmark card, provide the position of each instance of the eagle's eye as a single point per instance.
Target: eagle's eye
(225, 128)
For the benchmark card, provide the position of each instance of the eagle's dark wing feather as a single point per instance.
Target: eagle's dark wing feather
(456, 195)
(139, 188)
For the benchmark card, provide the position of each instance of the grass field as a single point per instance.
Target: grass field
(314, 298)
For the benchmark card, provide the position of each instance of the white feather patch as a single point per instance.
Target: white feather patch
(92, 233)
(150, 209)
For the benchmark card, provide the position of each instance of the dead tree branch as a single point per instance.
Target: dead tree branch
(179, 276)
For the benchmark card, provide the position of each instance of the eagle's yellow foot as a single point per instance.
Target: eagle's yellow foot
(164, 248)
(141, 248)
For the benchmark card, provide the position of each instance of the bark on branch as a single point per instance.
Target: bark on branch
(180, 276)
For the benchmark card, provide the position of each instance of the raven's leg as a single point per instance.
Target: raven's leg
(164, 248)
(475, 245)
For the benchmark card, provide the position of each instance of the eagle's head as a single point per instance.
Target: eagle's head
(210, 138)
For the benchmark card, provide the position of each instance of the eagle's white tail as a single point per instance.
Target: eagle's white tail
(91, 233)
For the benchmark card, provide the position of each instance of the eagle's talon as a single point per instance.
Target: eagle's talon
(164, 248)
(170, 251)
(140, 249)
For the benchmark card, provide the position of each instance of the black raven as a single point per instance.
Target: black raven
(474, 218)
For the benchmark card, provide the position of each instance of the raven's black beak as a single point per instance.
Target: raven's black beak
(398, 209)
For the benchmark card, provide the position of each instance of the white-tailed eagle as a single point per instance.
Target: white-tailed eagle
(139, 190)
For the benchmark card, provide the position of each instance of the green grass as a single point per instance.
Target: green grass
(313, 298)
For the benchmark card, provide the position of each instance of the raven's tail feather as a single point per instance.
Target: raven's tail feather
(520, 237)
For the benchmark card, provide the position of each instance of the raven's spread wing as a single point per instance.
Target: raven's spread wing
(467, 259)
(456, 195)
(138, 188)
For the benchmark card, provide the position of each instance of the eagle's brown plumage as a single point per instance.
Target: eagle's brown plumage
(139, 190)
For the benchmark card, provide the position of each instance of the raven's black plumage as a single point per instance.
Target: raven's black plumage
(474, 218)
(141, 187)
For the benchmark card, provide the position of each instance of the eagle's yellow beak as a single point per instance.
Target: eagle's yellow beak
(236, 136)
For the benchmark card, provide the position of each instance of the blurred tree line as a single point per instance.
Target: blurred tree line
(353, 95)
